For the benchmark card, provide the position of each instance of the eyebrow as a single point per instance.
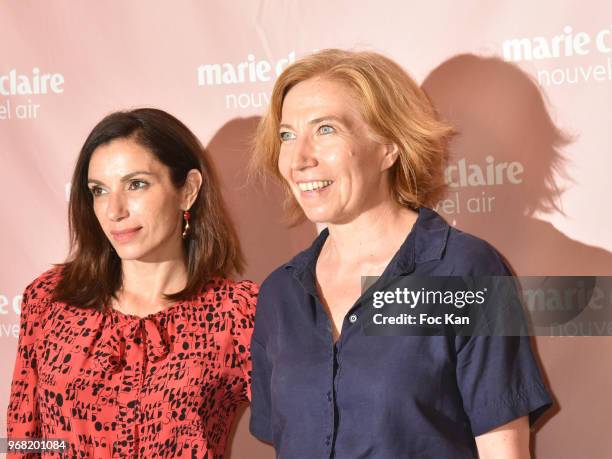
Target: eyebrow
(125, 178)
(318, 120)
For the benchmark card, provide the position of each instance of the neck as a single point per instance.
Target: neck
(371, 234)
(149, 281)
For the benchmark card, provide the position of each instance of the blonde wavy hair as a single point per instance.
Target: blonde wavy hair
(391, 103)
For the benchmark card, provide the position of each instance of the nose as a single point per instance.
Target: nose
(303, 154)
(116, 209)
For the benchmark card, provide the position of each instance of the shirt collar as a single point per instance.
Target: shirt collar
(425, 242)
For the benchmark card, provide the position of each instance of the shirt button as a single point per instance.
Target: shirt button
(353, 318)
(329, 397)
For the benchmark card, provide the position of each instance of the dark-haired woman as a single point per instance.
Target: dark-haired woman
(138, 345)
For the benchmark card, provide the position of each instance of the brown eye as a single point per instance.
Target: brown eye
(96, 191)
(138, 185)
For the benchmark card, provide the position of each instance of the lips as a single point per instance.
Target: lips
(125, 235)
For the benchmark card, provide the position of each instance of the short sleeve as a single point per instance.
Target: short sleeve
(23, 416)
(498, 376)
(245, 298)
(500, 381)
(260, 423)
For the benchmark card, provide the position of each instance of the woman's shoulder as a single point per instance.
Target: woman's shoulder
(237, 296)
(473, 255)
(42, 287)
(38, 294)
(223, 286)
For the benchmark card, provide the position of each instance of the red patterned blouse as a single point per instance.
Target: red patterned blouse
(114, 385)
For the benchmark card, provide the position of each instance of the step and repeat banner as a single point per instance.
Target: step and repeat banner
(527, 85)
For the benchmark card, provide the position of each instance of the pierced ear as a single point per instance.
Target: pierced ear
(391, 155)
(191, 188)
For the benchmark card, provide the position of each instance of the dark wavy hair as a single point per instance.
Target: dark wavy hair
(91, 275)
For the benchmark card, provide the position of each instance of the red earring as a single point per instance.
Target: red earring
(186, 217)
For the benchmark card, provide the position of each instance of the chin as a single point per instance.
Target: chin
(130, 253)
(127, 257)
(317, 216)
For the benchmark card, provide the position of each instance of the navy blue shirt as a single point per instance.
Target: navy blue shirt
(384, 396)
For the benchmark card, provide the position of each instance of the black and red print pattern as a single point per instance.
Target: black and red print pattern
(114, 385)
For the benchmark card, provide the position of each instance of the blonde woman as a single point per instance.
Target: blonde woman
(357, 145)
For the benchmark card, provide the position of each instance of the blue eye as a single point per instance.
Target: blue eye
(326, 129)
(286, 135)
(137, 184)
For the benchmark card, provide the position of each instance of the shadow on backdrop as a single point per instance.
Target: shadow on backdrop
(504, 164)
(256, 210)
(506, 133)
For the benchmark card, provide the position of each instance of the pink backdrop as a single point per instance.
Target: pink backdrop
(528, 86)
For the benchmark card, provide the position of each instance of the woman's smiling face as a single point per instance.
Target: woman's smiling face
(329, 156)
